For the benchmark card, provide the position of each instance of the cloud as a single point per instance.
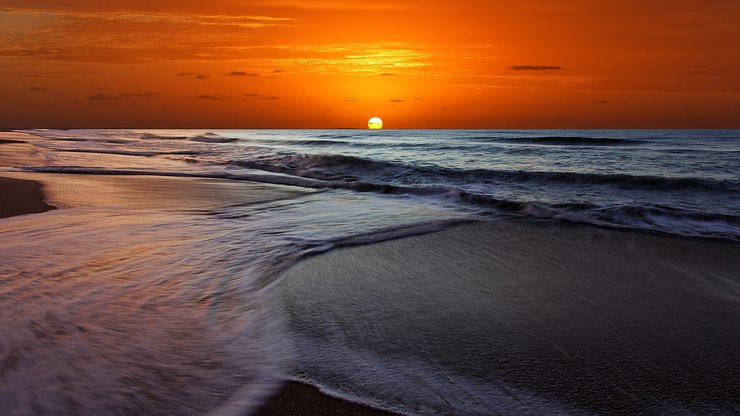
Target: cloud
(602, 102)
(141, 95)
(193, 75)
(208, 97)
(38, 89)
(101, 96)
(445, 108)
(396, 100)
(241, 74)
(261, 97)
(139, 32)
(536, 68)
(418, 99)
(126, 15)
(351, 100)
(366, 58)
(279, 71)
(388, 74)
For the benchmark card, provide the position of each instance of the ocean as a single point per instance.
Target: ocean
(683, 182)
(144, 297)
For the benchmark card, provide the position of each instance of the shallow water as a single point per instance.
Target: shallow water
(153, 291)
(130, 307)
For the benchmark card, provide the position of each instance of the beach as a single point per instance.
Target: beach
(21, 197)
(148, 294)
(25, 196)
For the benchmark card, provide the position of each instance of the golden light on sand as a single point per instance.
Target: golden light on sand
(375, 123)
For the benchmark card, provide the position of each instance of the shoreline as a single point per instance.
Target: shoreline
(299, 398)
(26, 196)
(21, 197)
(627, 322)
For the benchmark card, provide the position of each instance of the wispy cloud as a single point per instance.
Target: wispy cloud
(261, 96)
(65, 31)
(348, 58)
(38, 89)
(536, 68)
(241, 74)
(339, 5)
(396, 100)
(142, 94)
(193, 75)
(209, 97)
(122, 15)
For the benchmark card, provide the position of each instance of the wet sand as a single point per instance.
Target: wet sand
(301, 399)
(586, 319)
(18, 197)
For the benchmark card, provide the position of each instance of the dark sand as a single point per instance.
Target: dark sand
(301, 399)
(19, 196)
(613, 322)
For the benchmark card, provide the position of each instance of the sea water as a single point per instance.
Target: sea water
(163, 310)
(676, 181)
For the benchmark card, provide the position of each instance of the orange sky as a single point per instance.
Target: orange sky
(335, 63)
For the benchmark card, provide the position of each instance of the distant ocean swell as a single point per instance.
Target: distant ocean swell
(351, 168)
(647, 217)
(679, 182)
(333, 167)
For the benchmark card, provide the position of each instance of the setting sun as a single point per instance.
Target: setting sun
(375, 123)
(257, 251)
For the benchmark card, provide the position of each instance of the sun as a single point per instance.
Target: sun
(375, 123)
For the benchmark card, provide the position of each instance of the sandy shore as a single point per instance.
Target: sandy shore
(28, 193)
(301, 399)
(20, 196)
